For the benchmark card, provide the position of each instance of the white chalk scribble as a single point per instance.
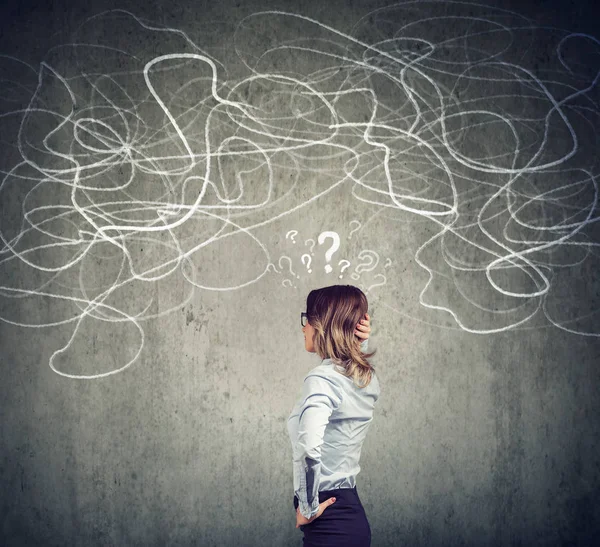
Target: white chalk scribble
(128, 170)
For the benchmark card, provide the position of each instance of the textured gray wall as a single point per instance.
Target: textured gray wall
(157, 414)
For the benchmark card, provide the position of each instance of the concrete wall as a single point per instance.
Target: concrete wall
(147, 374)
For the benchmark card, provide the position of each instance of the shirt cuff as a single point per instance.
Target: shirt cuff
(308, 511)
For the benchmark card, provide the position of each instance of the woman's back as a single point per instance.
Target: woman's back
(347, 411)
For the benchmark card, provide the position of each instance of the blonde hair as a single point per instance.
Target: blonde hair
(334, 312)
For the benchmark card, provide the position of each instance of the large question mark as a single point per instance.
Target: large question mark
(378, 284)
(334, 247)
(312, 245)
(308, 261)
(355, 229)
(345, 266)
(290, 261)
(292, 234)
(372, 261)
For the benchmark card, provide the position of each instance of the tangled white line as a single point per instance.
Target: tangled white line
(129, 170)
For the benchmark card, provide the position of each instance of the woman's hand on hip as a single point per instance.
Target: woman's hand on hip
(301, 520)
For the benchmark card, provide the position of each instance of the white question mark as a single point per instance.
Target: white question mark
(290, 261)
(334, 247)
(355, 229)
(345, 266)
(312, 245)
(274, 268)
(373, 260)
(388, 263)
(292, 234)
(289, 283)
(308, 261)
(378, 284)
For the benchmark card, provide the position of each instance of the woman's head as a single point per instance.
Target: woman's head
(332, 314)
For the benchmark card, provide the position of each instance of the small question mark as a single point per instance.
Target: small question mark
(289, 283)
(292, 234)
(345, 266)
(373, 260)
(290, 261)
(388, 263)
(312, 245)
(274, 268)
(378, 284)
(308, 261)
(334, 247)
(355, 229)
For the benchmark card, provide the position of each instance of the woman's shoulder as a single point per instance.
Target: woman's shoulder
(325, 373)
(324, 369)
(333, 373)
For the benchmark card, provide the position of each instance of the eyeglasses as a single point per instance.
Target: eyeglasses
(303, 319)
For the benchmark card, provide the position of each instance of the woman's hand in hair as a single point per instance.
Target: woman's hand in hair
(363, 328)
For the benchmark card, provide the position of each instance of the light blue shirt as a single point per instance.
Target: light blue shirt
(327, 427)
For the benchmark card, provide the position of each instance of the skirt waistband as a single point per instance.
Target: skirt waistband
(346, 494)
(340, 491)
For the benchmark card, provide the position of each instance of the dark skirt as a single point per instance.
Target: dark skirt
(343, 523)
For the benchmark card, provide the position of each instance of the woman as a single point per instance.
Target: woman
(329, 422)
